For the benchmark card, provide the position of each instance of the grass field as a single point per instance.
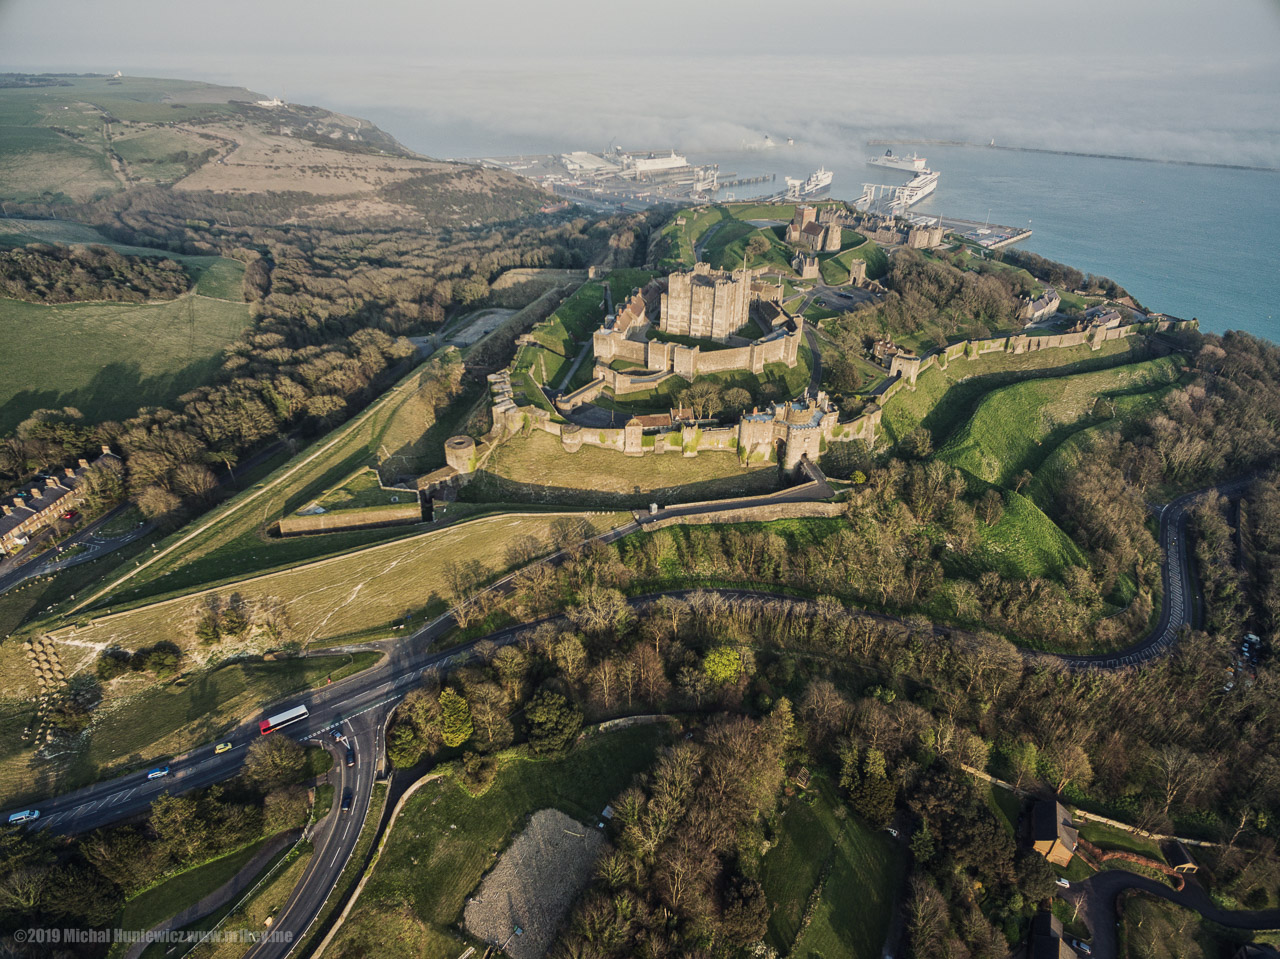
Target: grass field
(863, 868)
(361, 490)
(163, 950)
(109, 359)
(165, 719)
(232, 541)
(684, 238)
(1152, 928)
(253, 915)
(943, 399)
(1055, 467)
(1016, 427)
(153, 906)
(1006, 805)
(1025, 543)
(54, 140)
(357, 595)
(537, 469)
(445, 840)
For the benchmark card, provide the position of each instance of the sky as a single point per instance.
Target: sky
(1177, 78)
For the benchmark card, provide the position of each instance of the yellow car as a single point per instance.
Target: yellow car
(221, 747)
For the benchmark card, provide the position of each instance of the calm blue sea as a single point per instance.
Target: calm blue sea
(1192, 241)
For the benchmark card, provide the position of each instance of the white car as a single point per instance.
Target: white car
(1063, 883)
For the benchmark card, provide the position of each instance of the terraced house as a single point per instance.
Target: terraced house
(39, 506)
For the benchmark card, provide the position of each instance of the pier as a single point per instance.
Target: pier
(744, 181)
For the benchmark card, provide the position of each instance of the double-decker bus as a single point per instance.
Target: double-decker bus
(272, 723)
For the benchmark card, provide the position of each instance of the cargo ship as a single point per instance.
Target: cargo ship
(911, 163)
(817, 183)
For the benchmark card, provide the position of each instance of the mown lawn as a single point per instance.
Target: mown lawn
(1016, 427)
(536, 468)
(852, 916)
(945, 398)
(1108, 837)
(445, 840)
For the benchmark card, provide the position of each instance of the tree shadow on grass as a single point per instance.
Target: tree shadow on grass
(116, 392)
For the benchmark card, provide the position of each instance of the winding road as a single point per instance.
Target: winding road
(359, 706)
(1100, 890)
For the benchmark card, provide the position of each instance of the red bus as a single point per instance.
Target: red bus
(272, 723)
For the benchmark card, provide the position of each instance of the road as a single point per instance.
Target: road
(407, 659)
(1100, 890)
(15, 570)
(1177, 608)
(358, 706)
(336, 835)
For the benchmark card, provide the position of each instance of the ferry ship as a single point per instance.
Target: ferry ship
(817, 183)
(918, 187)
(912, 163)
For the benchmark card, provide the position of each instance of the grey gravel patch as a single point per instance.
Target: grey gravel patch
(534, 883)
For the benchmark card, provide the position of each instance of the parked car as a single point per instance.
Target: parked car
(891, 831)
(346, 800)
(1063, 883)
(221, 747)
(27, 815)
(71, 514)
(1081, 947)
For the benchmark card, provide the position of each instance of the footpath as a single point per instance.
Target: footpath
(222, 895)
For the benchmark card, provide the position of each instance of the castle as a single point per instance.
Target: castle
(806, 233)
(709, 304)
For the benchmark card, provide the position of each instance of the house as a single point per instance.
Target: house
(1044, 305)
(40, 505)
(1046, 938)
(1053, 834)
(1180, 859)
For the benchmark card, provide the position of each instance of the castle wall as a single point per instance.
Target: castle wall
(910, 367)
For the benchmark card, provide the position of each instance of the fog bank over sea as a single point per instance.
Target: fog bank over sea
(1192, 241)
(1172, 80)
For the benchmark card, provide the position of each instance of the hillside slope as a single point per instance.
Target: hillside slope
(77, 139)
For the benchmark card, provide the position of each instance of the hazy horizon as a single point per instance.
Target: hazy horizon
(1176, 81)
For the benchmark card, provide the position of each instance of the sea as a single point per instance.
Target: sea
(1191, 241)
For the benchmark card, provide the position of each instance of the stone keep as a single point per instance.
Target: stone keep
(706, 303)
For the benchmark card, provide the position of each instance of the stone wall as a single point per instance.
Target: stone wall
(690, 362)
(353, 518)
(761, 513)
(910, 367)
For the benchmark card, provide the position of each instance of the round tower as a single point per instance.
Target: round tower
(460, 453)
(571, 437)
